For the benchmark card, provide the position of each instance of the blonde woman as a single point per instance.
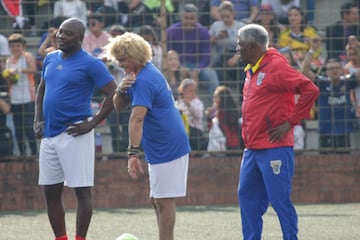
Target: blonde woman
(155, 124)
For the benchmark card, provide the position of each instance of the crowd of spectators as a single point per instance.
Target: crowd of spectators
(199, 60)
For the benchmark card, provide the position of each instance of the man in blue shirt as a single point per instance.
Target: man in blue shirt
(65, 124)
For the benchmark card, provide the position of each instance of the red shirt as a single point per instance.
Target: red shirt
(269, 100)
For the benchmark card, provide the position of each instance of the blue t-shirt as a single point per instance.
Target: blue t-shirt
(164, 138)
(335, 111)
(69, 87)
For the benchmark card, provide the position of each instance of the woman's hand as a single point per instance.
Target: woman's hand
(135, 169)
(127, 82)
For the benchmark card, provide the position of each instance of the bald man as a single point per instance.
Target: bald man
(65, 124)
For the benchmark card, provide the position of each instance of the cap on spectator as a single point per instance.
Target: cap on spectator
(266, 7)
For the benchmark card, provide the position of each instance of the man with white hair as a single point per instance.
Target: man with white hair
(269, 114)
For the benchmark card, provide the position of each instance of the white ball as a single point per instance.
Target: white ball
(127, 236)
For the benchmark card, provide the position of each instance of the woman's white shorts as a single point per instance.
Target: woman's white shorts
(169, 180)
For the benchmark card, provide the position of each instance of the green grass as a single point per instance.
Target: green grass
(316, 222)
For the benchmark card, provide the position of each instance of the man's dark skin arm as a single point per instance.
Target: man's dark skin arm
(38, 121)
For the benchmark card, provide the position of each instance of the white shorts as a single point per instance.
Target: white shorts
(68, 159)
(169, 180)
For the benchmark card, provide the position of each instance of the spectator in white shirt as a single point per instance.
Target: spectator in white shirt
(71, 8)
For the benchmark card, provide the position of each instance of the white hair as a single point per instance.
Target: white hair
(254, 33)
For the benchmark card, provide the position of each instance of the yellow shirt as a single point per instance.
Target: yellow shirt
(298, 44)
(256, 66)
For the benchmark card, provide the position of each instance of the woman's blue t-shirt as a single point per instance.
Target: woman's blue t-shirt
(164, 137)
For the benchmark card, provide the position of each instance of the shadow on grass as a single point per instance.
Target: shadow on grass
(21, 213)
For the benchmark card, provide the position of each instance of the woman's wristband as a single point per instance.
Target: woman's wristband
(133, 150)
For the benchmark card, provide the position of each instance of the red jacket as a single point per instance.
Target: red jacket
(269, 100)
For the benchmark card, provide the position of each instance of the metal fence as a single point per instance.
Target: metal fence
(111, 135)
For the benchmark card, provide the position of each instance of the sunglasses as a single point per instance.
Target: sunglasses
(92, 23)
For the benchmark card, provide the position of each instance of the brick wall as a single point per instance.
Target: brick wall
(318, 178)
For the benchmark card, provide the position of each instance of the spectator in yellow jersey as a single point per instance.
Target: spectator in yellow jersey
(297, 34)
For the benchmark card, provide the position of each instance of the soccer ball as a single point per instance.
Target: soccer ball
(127, 236)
